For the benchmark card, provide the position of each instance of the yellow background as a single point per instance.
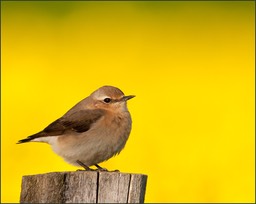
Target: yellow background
(190, 65)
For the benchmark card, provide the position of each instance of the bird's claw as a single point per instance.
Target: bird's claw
(98, 170)
(87, 169)
(102, 169)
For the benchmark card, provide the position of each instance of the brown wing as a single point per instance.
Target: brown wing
(80, 121)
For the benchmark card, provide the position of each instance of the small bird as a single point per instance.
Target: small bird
(92, 131)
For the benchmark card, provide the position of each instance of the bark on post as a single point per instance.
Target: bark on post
(83, 187)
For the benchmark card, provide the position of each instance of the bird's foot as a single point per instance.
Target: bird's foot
(86, 168)
(99, 168)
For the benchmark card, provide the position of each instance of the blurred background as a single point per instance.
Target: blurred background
(190, 65)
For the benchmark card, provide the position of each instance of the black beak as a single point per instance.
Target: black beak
(126, 98)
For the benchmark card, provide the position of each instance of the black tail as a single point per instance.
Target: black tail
(29, 138)
(24, 140)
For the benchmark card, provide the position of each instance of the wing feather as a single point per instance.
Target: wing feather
(79, 122)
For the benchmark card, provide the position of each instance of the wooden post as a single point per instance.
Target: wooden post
(83, 187)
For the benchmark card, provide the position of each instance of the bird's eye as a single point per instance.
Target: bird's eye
(107, 100)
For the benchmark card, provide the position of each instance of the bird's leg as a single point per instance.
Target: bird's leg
(115, 170)
(99, 168)
(87, 168)
(104, 169)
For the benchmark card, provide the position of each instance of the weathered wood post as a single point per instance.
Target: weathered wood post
(83, 187)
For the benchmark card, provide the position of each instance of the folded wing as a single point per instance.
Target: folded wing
(79, 122)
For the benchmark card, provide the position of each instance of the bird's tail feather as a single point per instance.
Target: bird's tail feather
(32, 137)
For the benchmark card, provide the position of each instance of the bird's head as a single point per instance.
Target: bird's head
(110, 98)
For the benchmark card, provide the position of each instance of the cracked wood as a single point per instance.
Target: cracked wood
(83, 187)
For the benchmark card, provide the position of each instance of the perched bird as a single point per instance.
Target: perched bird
(92, 131)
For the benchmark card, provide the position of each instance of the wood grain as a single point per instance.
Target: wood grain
(137, 189)
(43, 188)
(83, 187)
(117, 184)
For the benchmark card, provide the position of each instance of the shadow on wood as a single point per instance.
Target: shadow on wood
(83, 187)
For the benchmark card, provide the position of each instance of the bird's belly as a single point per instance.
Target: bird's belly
(90, 148)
